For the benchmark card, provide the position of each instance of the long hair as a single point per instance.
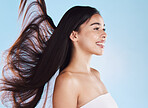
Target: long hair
(41, 49)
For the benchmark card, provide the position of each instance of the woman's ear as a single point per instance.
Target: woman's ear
(74, 36)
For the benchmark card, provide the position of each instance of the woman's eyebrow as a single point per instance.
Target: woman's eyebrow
(96, 23)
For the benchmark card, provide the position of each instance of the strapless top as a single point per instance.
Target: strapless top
(103, 101)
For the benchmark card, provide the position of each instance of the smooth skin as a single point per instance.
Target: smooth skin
(78, 83)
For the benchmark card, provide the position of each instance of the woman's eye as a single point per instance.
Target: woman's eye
(104, 29)
(96, 28)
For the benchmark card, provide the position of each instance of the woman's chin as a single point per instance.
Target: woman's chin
(99, 53)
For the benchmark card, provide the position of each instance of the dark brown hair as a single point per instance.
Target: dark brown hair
(41, 49)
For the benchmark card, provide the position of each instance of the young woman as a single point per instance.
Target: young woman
(42, 49)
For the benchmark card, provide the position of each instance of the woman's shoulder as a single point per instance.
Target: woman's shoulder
(67, 79)
(65, 91)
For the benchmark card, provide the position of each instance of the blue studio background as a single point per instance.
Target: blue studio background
(124, 65)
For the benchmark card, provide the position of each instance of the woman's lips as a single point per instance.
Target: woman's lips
(101, 43)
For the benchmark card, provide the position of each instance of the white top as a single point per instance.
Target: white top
(103, 101)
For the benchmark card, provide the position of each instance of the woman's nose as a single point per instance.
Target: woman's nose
(104, 36)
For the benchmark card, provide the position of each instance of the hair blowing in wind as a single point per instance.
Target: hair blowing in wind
(40, 50)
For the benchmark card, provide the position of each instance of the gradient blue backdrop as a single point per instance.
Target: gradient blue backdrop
(124, 65)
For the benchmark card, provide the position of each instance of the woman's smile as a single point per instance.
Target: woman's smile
(101, 43)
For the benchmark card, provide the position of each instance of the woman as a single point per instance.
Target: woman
(42, 49)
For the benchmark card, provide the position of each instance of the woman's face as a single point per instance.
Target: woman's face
(92, 36)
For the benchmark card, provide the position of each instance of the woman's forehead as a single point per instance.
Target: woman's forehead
(96, 19)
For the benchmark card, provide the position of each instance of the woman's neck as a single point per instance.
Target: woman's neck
(80, 62)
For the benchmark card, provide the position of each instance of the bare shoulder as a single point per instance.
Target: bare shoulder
(65, 92)
(68, 78)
